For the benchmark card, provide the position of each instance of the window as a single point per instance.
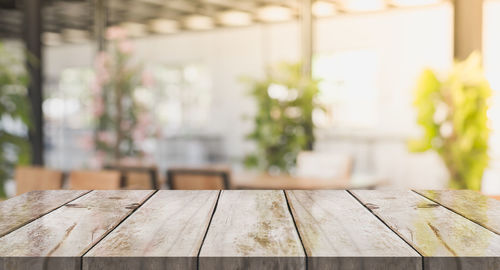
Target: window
(69, 99)
(68, 119)
(183, 96)
(348, 88)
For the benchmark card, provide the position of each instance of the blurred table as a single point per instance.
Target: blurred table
(284, 181)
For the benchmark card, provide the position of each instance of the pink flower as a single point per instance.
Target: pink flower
(147, 79)
(116, 33)
(125, 125)
(102, 60)
(96, 88)
(86, 142)
(144, 119)
(125, 47)
(138, 134)
(106, 137)
(101, 66)
(98, 106)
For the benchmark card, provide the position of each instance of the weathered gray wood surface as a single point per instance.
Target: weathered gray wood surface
(340, 233)
(470, 204)
(59, 239)
(22, 209)
(252, 230)
(249, 230)
(166, 231)
(439, 234)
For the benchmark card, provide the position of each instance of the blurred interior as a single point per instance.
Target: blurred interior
(193, 54)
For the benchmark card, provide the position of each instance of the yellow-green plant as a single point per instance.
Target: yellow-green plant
(283, 122)
(452, 112)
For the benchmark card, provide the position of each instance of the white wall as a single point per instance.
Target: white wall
(491, 59)
(407, 40)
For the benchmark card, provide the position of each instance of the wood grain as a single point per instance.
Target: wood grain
(25, 208)
(470, 204)
(59, 239)
(340, 233)
(167, 230)
(252, 230)
(434, 231)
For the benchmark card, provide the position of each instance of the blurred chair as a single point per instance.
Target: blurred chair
(496, 197)
(37, 178)
(198, 178)
(99, 180)
(320, 165)
(137, 176)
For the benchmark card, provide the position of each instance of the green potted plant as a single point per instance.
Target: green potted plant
(453, 114)
(14, 109)
(283, 124)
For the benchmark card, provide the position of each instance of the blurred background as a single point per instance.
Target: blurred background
(258, 94)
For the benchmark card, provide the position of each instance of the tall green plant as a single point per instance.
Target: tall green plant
(14, 110)
(283, 122)
(452, 113)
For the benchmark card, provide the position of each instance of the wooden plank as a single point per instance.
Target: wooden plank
(447, 240)
(25, 208)
(470, 204)
(59, 239)
(252, 230)
(340, 233)
(166, 231)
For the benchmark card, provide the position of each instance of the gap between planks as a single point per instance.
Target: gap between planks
(52, 210)
(114, 227)
(296, 229)
(387, 225)
(206, 231)
(450, 209)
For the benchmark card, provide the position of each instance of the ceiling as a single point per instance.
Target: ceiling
(73, 20)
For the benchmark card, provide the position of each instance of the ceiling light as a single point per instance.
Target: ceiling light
(164, 26)
(274, 14)
(363, 5)
(75, 35)
(134, 29)
(323, 9)
(411, 3)
(51, 39)
(234, 18)
(199, 22)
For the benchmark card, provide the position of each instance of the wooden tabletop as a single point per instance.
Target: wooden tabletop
(250, 229)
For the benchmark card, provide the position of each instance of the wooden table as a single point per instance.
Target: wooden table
(242, 229)
(284, 181)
